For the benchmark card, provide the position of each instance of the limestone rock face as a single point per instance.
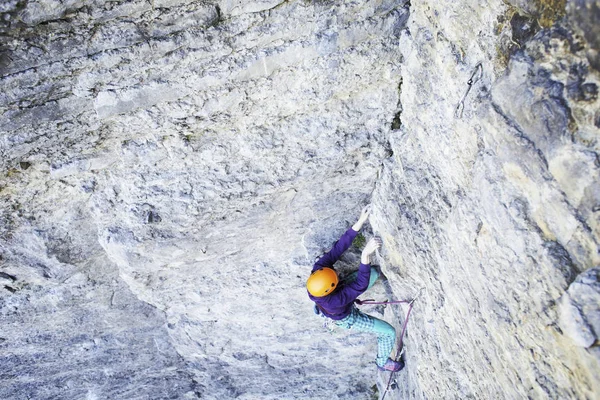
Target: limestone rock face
(580, 316)
(193, 157)
(495, 199)
(170, 170)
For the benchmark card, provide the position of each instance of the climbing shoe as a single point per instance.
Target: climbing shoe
(391, 365)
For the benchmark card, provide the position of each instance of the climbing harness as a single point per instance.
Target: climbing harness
(329, 323)
(400, 349)
(475, 77)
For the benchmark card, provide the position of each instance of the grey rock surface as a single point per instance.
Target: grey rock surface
(494, 205)
(579, 312)
(171, 169)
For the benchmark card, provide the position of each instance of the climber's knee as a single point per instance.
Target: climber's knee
(373, 277)
(383, 328)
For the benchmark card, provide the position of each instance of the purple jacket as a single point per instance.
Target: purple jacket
(338, 304)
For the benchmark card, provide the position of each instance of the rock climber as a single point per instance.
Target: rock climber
(335, 299)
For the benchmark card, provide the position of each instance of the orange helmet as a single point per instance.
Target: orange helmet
(322, 282)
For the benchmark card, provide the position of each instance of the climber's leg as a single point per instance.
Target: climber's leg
(372, 279)
(386, 334)
(386, 338)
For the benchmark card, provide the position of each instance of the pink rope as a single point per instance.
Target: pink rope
(371, 301)
(400, 344)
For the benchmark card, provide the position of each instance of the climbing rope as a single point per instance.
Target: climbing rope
(400, 349)
(475, 77)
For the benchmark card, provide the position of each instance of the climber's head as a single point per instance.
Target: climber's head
(322, 282)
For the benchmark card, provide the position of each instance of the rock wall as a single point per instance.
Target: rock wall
(171, 169)
(490, 199)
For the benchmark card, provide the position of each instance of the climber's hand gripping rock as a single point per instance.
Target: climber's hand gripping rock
(370, 248)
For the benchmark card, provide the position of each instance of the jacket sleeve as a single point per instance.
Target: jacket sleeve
(338, 249)
(351, 291)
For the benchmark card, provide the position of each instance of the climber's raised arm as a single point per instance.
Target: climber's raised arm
(343, 243)
(364, 216)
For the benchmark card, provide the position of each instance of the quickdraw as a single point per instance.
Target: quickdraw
(475, 77)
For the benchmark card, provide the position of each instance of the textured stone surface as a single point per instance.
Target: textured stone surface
(493, 212)
(207, 152)
(171, 169)
(579, 312)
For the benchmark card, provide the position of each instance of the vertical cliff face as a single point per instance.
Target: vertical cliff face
(490, 200)
(171, 169)
(190, 159)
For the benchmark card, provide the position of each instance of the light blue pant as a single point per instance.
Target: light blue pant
(386, 334)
